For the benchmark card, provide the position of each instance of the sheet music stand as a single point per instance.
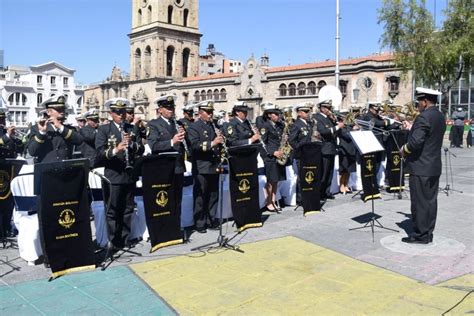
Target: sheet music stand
(366, 143)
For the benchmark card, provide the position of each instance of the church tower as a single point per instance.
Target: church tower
(165, 38)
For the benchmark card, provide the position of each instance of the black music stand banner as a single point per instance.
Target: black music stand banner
(369, 177)
(163, 219)
(244, 187)
(64, 216)
(9, 168)
(394, 162)
(309, 175)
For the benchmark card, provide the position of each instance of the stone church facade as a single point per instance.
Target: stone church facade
(164, 59)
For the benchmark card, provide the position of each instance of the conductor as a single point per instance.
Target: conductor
(423, 157)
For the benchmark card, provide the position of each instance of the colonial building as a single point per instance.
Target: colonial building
(23, 89)
(164, 44)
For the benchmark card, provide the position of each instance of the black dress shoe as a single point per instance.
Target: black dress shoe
(201, 230)
(413, 240)
(330, 197)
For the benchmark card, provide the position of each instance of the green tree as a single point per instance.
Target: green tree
(433, 55)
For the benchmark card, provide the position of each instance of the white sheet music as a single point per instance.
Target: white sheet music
(366, 142)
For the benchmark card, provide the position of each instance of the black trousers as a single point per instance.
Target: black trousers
(119, 211)
(458, 132)
(424, 205)
(6, 212)
(327, 174)
(205, 201)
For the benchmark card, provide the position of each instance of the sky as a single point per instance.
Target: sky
(90, 36)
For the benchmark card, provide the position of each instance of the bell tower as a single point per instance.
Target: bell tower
(164, 41)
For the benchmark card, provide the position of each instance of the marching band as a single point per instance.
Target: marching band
(119, 143)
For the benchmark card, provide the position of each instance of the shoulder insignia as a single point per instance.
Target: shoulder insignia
(229, 130)
(263, 131)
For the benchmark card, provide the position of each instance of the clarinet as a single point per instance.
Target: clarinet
(128, 166)
(260, 139)
(223, 144)
(185, 145)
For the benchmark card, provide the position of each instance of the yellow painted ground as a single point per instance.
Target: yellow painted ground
(288, 276)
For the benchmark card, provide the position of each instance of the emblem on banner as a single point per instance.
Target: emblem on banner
(309, 177)
(4, 180)
(244, 185)
(369, 165)
(162, 198)
(396, 160)
(66, 218)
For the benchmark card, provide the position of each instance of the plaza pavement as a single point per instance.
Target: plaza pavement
(293, 265)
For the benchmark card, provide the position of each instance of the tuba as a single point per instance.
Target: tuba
(285, 147)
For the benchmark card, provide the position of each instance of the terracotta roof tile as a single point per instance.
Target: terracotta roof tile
(329, 63)
(210, 77)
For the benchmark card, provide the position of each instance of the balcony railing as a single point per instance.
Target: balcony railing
(17, 83)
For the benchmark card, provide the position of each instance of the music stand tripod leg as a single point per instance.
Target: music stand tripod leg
(222, 241)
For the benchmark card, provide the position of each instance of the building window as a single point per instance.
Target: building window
(169, 60)
(343, 87)
(312, 88)
(65, 81)
(282, 90)
(139, 17)
(186, 53)
(216, 94)
(291, 89)
(17, 98)
(186, 97)
(203, 95)
(170, 14)
(149, 15)
(53, 80)
(39, 80)
(196, 96)
(321, 84)
(209, 94)
(223, 95)
(185, 17)
(147, 61)
(393, 84)
(301, 88)
(138, 63)
(39, 99)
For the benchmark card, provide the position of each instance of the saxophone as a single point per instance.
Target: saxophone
(315, 136)
(285, 147)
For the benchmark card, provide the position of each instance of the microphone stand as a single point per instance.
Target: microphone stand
(447, 160)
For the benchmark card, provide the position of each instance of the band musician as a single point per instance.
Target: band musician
(329, 129)
(272, 133)
(52, 140)
(116, 151)
(12, 146)
(165, 135)
(88, 132)
(205, 142)
(238, 130)
(301, 133)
